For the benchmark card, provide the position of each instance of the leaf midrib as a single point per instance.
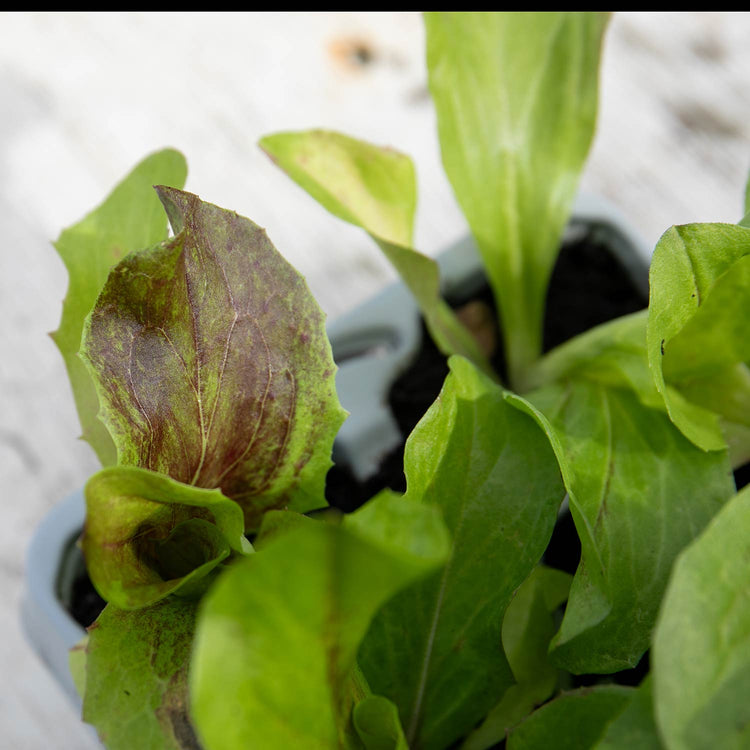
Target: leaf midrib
(412, 728)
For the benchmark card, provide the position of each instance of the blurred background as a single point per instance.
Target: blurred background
(85, 96)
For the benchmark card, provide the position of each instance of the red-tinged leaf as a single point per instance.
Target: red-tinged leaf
(212, 363)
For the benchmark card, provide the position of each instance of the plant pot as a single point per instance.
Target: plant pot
(378, 347)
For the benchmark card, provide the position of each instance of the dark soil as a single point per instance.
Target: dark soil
(74, 587)
(86, 604)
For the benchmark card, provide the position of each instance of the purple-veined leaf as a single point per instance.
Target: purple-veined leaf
(136, 691)
(212, 363)
(148, 536)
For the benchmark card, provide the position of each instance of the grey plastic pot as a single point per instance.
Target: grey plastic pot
(372, 345)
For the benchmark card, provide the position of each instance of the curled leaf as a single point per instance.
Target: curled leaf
(147, 536)
(698, 328)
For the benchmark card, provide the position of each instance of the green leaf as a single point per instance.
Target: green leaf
(701, 652)
(574, 721)
(612, 354)
(738, 443)
(435, 649)
(212, 363)
(137, 677)
(279, 522)
(698, 326)
(77, 665)
(726, 392)
(365, 185)
(639, 492)
(635, 726)
(376, 721)
(528, 628)
(697, 351)
(374, 188)
(405, 528)
(516, 99)
(148, 536)
(131, 218)
(279, 633)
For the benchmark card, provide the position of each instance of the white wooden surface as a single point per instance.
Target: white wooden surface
(84, 96)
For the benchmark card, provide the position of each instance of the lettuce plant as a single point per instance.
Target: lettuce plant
(647, 414)
(240, 614)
